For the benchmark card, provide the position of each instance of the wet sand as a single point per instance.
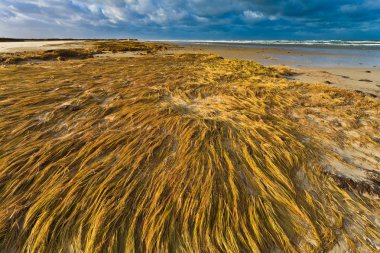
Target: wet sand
(359, 78)
(364, 79)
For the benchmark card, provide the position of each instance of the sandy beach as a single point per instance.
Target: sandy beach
(364, 79)
(14, 47)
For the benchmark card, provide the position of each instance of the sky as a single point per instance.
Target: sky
(191, 19)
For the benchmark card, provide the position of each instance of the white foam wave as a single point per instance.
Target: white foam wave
(348, 43)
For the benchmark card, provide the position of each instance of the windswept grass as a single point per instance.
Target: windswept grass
(48, 55)
(115, 46)
(188, 153)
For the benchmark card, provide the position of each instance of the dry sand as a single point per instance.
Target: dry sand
(13, 47)
(352, 164)
(362, 79)
(366, 80)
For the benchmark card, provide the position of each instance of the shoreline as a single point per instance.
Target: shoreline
(359, 78)
(273, 44)
(259, 53)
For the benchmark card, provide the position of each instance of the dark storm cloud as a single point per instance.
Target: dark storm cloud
(197, 19)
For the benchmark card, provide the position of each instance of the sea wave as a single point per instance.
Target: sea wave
(345, 43)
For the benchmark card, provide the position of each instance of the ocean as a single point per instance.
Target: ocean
(370, 44)
(334, 53)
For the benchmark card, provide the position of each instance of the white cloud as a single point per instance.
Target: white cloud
(347, 8)
(162, 16)
(114, 14)
(273, 17)
(210, 17)
(253, 15)
(159, 16)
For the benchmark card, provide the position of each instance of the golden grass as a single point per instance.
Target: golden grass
(188, 153)
(115, 46)
(48, 55)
